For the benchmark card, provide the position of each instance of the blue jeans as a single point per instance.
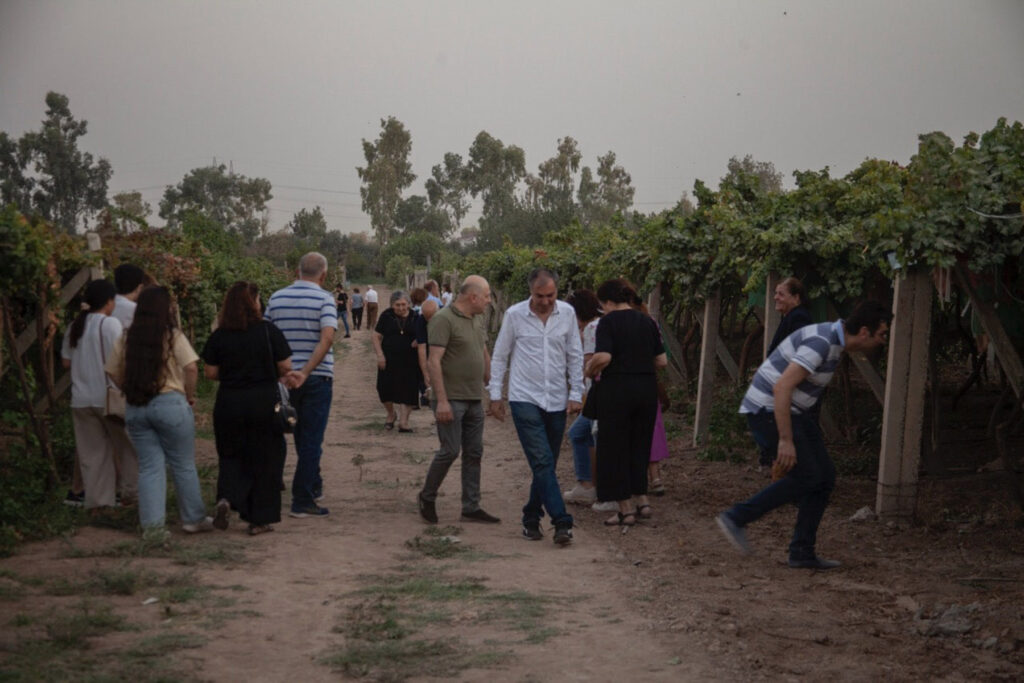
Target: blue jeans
(312, 402)
(164, 435)
(540, 433)
(809, 484)
(343, 314)
(582, 438)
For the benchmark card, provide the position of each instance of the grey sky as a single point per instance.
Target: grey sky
(286, 90)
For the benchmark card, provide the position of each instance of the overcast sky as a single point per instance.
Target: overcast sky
(287, 90)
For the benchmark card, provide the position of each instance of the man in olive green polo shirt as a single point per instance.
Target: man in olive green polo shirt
(459, 367)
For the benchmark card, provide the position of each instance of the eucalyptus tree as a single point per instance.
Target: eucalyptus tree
(234, 201)
(45, 173)
(387, 172)
(448, 190)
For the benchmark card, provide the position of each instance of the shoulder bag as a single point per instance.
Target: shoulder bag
(285, 416)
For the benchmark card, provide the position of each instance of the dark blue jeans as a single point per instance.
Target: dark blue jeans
(809, 484)
(312, 401)
(343, 316)
(540, 434)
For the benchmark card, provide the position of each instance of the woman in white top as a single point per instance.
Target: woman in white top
(88, 343)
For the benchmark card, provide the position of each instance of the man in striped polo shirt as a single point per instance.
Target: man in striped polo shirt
(307, 315)
(779, 406)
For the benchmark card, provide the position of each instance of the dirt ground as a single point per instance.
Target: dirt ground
(370, 591)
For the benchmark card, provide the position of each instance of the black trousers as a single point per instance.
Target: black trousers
(625, 428)
(357, 317)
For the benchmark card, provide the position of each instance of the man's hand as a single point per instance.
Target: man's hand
(786, 458)
(497, 410)
(574, 407)
(293, 379)
(443, 413)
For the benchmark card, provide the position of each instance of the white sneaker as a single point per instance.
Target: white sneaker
(580, 495)
(607, 506)
(205, 524)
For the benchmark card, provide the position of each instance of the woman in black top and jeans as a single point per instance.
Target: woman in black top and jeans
(247, 355)
(628, 352)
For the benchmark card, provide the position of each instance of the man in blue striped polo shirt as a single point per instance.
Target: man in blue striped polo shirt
(307, 315)
(779, 406)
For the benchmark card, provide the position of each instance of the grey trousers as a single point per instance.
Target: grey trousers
(465, 432)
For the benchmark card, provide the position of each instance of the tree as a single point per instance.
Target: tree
(764, 176)
(234, 201)
(447, 189)
(415, 214)
(131, 209)
(610, 194)
(308, 225)
(386, 174)
(493, 172)
(45, 173)
(552, 188)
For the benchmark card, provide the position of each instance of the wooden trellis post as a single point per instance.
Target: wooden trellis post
(903, 411)
(771, 316)
(706, 377)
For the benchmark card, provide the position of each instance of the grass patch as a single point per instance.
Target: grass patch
(163, 644)
(382, 629)
(88, 621)
(20, 620)
(369, 426)
(377, 484)
(418, 458)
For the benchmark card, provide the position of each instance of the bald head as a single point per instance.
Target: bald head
(428, 308)
(474, 295)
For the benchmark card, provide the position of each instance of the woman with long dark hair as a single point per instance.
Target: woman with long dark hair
(398, 363)
(627, 353)
(157, 369)
(86, 346)
(247, 355)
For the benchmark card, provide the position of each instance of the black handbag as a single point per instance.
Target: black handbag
(285, 417)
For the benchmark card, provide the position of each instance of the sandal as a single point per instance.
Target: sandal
(656, 488)
(389, 425)
(257, 529)
(405, 430)
(640, 512)
(620, 519)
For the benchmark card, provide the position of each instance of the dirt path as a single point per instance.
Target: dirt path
(372, 591)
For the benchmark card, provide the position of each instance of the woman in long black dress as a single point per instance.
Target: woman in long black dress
(627, 352)
(398, 366)
(247, 355)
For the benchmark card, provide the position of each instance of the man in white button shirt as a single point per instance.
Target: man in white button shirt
(539, 343)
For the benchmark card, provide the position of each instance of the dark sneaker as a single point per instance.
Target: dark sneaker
(532, 532)
(75, 499)
(814, 563)
(733, 533)
(427, 509)
(563, 536)
(312, 510)
(480, 516)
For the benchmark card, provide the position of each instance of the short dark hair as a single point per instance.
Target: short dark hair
(618, 291)
(870, 314)
(586, 305)
(128, 277)
(418, 296)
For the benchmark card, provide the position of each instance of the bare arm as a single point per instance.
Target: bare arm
(443, 412)
(191, 372)
(598, 362)
(421, 352)
(783, 392)
(211, 372)
(660, 361)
